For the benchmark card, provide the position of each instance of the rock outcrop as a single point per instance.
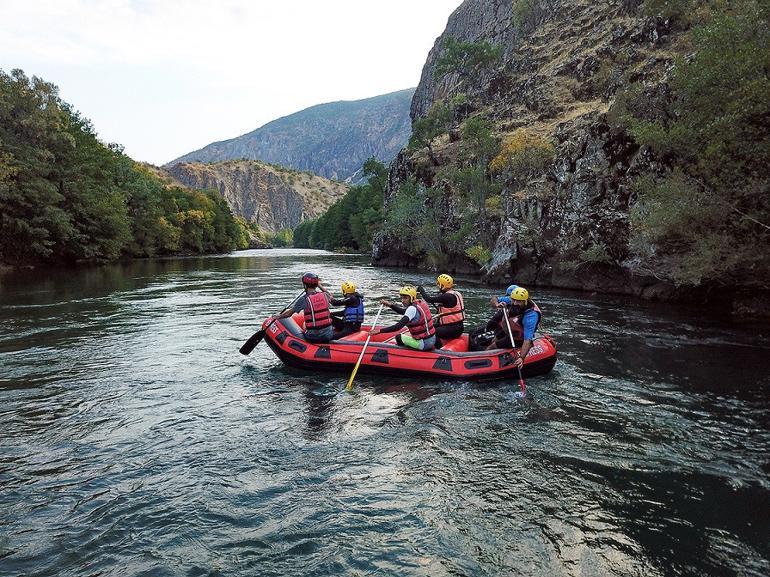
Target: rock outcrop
(332, 140)
(271, 197)
(562, 64)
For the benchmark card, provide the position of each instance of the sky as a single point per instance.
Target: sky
(166, 77)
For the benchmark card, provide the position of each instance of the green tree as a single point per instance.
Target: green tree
(710, 216)
(466, 59)
(425, 129)
(351, 222)
(87, 174)
(31, 133)
(302, 234)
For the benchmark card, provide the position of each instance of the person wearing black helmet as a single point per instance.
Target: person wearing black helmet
(315, 304)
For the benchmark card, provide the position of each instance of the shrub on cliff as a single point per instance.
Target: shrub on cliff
(466, 59)
(523, 155)
(710, 216)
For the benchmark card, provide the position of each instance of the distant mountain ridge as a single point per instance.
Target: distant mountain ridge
(271, 197)
(332, 140)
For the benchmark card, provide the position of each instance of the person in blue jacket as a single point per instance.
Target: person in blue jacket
(524, 317)
(506, 298)
(348, 321)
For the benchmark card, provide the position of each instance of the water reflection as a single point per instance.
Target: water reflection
(130, 424)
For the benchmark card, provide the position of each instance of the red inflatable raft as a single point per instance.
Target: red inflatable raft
(383, 356)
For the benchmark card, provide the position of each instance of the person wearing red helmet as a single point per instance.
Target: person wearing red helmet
(315, 304)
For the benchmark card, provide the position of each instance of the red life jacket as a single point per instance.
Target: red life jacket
(453, 314)
(317, 314)
(516, 326)
(422, 326)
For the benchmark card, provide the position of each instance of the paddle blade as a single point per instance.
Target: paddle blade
(349, 386)
(522, 385)
(253, 341)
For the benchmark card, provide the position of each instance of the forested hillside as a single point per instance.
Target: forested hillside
(65, 196)
(351, 222)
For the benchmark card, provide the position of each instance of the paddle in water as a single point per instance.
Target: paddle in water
(257, 337)
(522, 384)
(349, 386)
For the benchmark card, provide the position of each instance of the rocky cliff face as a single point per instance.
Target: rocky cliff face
(562, 64)
(332, 140)
(271, 197)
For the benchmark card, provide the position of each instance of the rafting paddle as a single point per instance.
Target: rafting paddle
(349, 386)
(257, 337)
(522, 384)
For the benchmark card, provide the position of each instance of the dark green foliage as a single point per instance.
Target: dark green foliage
(31, 122)
(679, 12)
(435, 123)
(466, 59)
(709, 217)
(283, 237)
(471, 181)
(524, 17)
(462, 190)
(64, 196)
(478, 143)
(302, 233)
(89, 177)
(350, 223)
(412, 220)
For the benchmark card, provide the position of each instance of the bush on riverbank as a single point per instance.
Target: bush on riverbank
(351, 222)
(65, 196)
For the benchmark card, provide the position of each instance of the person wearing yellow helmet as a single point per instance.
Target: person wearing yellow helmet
(524, 317)
(348, 321)
(451, 308)
(417, 318)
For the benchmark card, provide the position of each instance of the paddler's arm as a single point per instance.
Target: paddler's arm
(526, 345)
(529, 322)
(298, 307)
(393, 306)
(392, 328)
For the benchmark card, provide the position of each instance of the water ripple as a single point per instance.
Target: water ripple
(136, 441)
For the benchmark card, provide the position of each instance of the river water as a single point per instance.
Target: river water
(136, 440)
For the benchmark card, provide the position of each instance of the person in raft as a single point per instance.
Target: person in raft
(347, 321)
(451, 309)
(315, 304)
(524, 317)
(504, 299)
(417, 318)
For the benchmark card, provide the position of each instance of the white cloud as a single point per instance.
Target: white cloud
(165, 77)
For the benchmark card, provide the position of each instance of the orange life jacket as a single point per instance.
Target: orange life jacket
(422, 326)
(317, 314)
(453, 314)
